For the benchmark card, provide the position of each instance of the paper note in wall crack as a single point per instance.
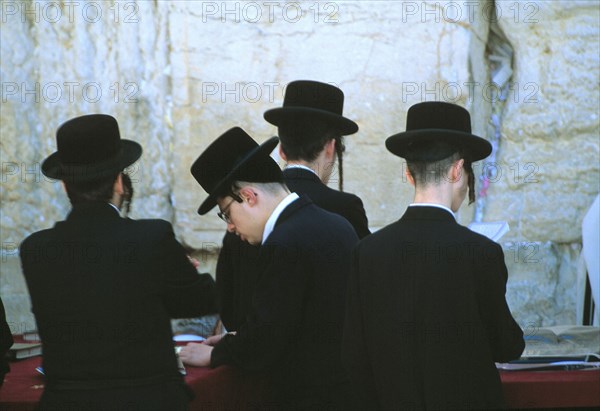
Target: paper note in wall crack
(493, 230)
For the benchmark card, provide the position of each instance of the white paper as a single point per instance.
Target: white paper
(493, 230)
(187, 337)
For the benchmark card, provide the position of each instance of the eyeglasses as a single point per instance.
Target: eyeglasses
(223, 213)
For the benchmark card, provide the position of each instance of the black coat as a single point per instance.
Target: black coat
(237, 273)
(348, 205)
(427, 316)
(6, 342)
(293, 332)
(103, 290)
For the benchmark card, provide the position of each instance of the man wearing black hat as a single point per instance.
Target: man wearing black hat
(311, 129)
(6, 341)
(427, 316)
(103, 288)
(293, 331)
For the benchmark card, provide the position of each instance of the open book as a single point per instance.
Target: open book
(564, 341)
(31, 336)
(20, 351)
(550, 365)
(565, 347)
(493, 230)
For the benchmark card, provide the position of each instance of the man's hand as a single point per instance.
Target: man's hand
(214, 340)
(196, 354)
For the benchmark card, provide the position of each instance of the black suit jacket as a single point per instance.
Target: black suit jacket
(348, 205)
(427, 316)
(237, 274)
(6, 342)
(103, 290)
(293, 331)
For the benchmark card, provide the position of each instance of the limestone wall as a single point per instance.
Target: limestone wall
(177, 74)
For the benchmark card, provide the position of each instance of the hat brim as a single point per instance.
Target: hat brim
(128, 154)
(400, 144)
(222, 186)
(342, 124)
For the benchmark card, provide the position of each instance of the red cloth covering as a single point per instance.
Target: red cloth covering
(23, 386)
(226, 388)
(222, 388)
(551, 389)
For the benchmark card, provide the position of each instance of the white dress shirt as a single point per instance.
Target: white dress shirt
(115, 207)
(270, 225)
(302, 166)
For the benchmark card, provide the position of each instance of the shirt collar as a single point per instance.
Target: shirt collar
(270, 225)
(302, 166)
(443, 207)
(115, 207)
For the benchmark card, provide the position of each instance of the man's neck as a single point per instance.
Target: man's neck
(434, 195)
(300, 165)
(314, 167)
(272, 201)
(320, 167)
(275, 212)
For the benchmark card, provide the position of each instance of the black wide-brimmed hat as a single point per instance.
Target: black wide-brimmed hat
(432, 122)
(234, 156)
(306, 98)
(90, 148)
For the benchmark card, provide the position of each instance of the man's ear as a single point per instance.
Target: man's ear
(118, 185)
(409, 176)
(330, 148)
(282, 154)
(249, 195)
(456, 171)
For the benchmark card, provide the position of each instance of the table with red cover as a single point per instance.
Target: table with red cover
(226, 388)
(551, 389)
(221, 388)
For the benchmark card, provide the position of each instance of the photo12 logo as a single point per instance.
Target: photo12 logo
(454, 92)
(69, 91)
(246, 91)
(524, 252)
(22, 172)
(527, 172)
(70, 11)
(269, 11)
(469, 11)
(65, 251)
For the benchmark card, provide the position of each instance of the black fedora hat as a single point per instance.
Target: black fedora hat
(234, 155)
(90, 148)
(306, 98)
(436, 121)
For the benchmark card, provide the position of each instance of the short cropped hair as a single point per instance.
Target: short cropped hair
(271, 188)
(431, 173)
(426, 173)
(97, 190)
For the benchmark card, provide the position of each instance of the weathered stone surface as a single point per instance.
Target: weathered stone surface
(15, 296)
(549, 152)
(541, 287)
(361, 53)
(178, 74)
